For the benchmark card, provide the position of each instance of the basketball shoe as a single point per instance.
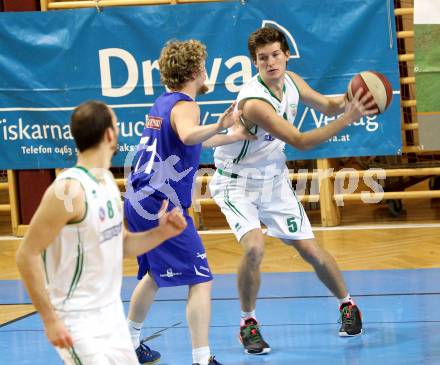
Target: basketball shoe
(146, 355)
(252, 339)
(351, 320)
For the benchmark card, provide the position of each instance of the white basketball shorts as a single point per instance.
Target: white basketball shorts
(273, 202)
(100, 337)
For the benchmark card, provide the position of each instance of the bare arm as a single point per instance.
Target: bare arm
(185, 119)
(325, 104)
(218, 140)
(262, 114)
(238, 133)
(171, 224)
(51, 216)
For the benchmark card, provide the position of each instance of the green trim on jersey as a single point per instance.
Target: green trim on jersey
(227, 174)
(300, 212)
(260, 80)
(87, 172)
(301, 208)
(251, 130)
(85, 214)
(294, 83)
(242, 152)
(231, 206)
(78, 267)
(44, 257)
(75, 357)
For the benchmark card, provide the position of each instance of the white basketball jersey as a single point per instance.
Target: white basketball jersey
(83, 266)
(266, 154)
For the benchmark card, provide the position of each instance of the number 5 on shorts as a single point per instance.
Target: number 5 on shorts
(291, 224)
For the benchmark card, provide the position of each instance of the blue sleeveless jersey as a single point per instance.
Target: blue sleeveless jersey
(164, 167)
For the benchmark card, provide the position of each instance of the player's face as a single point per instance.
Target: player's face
(271, 61)
(202, 88)
(114, 145)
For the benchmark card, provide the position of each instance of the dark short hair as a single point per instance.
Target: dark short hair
(263, 36)
(89, 122)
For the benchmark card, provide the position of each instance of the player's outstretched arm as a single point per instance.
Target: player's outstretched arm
(62, 203)
(236, 133)
(171, 224)
(263, 114)
(185, 119)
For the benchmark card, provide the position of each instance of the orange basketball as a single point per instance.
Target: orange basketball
(374, 82)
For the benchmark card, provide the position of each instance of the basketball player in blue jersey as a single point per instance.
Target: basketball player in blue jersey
(71, 256)
(250, 184)
(164, 168)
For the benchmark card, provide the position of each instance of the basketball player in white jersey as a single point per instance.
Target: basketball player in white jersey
(71, 257)
(251, 185)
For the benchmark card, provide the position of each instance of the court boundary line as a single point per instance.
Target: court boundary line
(159, 332)
(277, 297)
(16, 319)
(301, 297)
(179, 326)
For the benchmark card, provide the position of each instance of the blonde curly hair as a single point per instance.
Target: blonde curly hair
(179, 61)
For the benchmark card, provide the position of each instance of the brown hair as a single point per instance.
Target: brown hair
(263, 36)
(180, 61)
(89, 122)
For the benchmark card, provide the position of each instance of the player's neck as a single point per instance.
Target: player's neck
(276, 86)
(94, 160)
(190, 90)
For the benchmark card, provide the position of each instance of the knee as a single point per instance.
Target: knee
(313, 255)
(254, 255)
(253, 246)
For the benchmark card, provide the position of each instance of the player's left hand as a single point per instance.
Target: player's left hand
(171, 223)
(57, 334)
(229, 117)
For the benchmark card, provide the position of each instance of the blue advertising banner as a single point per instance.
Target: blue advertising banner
(51, 62)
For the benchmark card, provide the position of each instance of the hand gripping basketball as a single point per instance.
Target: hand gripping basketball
(374, 82)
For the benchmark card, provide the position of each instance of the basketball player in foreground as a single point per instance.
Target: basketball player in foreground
(165, 166)
(71, 257)
(251, 182)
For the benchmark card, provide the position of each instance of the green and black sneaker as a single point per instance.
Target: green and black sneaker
(351, 320)
(251, 338)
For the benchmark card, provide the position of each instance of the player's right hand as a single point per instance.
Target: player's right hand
(58, 334)
(171, 223)
(360, 106)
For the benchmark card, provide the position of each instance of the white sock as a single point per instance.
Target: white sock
(346, 299)
(247, 315)
(201, 355)
(135, 332)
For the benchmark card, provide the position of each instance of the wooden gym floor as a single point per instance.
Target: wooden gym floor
(369, 240)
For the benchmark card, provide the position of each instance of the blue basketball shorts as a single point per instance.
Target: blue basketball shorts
(178, 261)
